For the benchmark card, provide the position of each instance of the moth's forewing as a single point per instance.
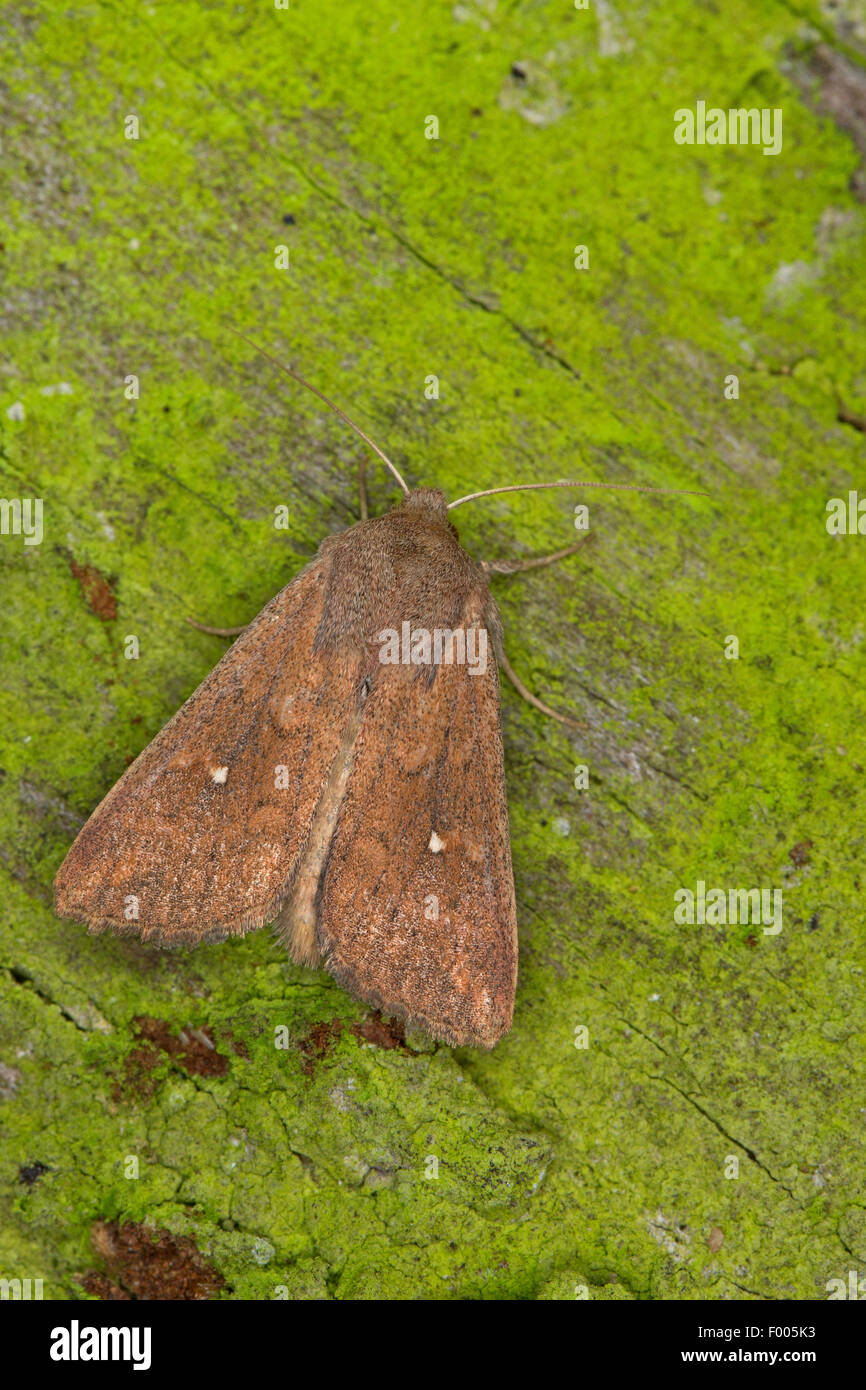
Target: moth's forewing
(416, 909)
(198, 838)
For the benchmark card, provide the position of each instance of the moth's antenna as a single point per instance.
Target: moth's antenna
(619, 487)
(316, 392)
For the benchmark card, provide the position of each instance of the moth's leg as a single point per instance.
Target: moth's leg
(218, 631)
(362, 488)
(516, 566)
(528, 695)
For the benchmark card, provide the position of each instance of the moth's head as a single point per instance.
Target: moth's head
(428, 502)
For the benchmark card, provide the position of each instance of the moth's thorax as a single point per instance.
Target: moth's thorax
(405, 566)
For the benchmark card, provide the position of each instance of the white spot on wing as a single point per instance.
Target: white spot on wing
(219, 774)
(436, 845)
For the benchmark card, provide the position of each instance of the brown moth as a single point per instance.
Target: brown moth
(355, 801)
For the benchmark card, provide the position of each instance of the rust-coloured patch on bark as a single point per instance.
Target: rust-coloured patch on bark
(97, 590)
(193, 1050)
(142, 1263)
(383, 1032)
(100, 1286)
(318, 1043)
(237, 1045)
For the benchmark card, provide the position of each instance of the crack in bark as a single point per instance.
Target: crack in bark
(28, 981)
(750, 1153)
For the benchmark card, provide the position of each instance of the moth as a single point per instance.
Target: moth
(332, 777)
